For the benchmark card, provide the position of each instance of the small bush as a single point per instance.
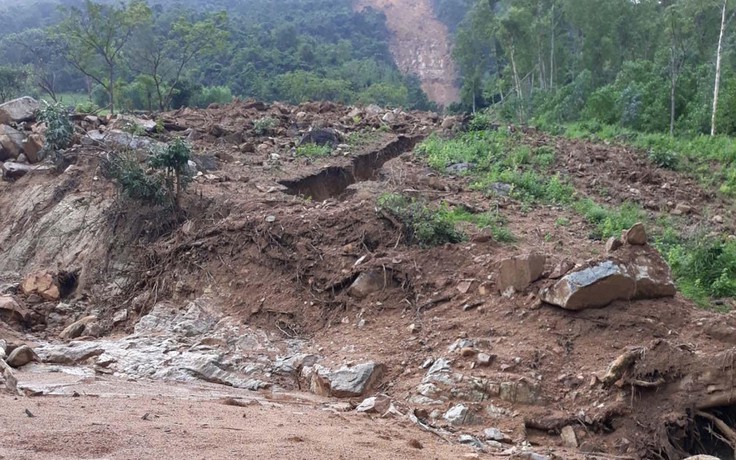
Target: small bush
(664, 158)
(211, 95)
(311, 150)
(422, 225)
(609, 222)
(59, 127)
(264, 125)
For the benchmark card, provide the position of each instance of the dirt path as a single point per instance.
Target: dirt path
(117, 419)
(420, 45)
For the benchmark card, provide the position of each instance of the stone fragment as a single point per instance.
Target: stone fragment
(33, 148)
(682, 209)
(592, 287)
(458, 415)
(43, 284)
(17, 110)
(370, 282)
(494, 434)
(12, 312)
(11, 143)
(77, 328)
(517, 273)
(613, 244)
(569, 438)
(636, 235)
(561, 269)
(483, 359)
(21, 356)
(375, 404)
(347, 382)
(73, 353)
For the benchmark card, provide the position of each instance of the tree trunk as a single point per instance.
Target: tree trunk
(673, 83)
(112, 90)
(552, 53)
(717, 85)
(517, 85)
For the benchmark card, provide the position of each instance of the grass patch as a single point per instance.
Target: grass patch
(362, 138)
(488, 220)
(421, 224)
(310, 150)
(608, 222)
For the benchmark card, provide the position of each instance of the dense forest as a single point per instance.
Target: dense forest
(646, 65)
(171, 53)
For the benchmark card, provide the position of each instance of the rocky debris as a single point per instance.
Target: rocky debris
(77, 328)
(73, 353)
(569, 438)
(44, 285)
(346, 382)
(635, 236)
(374, 405)
(592, 287)
(561, 269)
(12, 312)
(613, 244)
(3, 347)
(494, 434)
(120, 317)
(130, 123)
(209, 371)
(370, 282)
(13, 170)
(117, 138)
(33, 148)
(8, 378)
(682, 209)
(21, 356)
(458, 415)
(18, 110)
(636, 271)
(322, 136)
(517, 273)
(483, 359)
(11, 143)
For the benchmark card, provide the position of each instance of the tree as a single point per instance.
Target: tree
(41, 52)
(719, 53)
(95, 37)
(163, 53)
(11, 82)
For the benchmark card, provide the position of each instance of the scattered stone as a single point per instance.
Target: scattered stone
(77, 328)
(494, 434)
(458, 415)
(470, 440)
(10, 382)
(562, 269)
(42, 284)
(635, 236)
(592, 287)
(21, 356)
(17, 110)
(702, 457)
(569, 438)
(11, 143)
(718, 219)
(613, 244)
(12, 312)
(73, 353)
(120, 317)
(322, 136)
(468, 352)
(483, 359)
(389, 118)
(33, 148)
(347, 382)
(376, 404)
(682, 209)
(460, 168)
(369, 282)
(517, 273)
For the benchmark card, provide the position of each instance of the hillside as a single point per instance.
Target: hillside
(311, 278)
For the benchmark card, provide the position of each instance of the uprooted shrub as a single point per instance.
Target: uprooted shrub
(421, 224)
(160, 184)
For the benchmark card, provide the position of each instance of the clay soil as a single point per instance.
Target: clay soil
(255, 239)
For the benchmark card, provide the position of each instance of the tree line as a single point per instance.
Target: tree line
(136, 55)
(649, 65)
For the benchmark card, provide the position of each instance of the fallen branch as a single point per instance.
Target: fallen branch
(430, 304)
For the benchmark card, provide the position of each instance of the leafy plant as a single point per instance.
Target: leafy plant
(421, 224)
(173, 160)
(124, 167)
(264, 125)
(311, 150)
(59, 127)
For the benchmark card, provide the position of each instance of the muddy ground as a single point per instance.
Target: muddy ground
(249, 288)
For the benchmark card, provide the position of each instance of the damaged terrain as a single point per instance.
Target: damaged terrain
(304, 299)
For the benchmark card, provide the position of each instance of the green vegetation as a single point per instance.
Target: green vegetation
(264, 125)
(163, 185)
(420, 224)
(311, 150)
(146, 55)
(59, 127)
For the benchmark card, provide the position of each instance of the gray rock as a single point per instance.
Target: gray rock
(517, 273)
(3, 347)
(494, 434)
(458, 415)
(73, 353)
(702, 457)
(11, 143)
(211, 372)
(347, 382)
(470, 440)
(17, 110)
(389, 118)
(636, 235)
(33, 148)
(12, 170)
(120, 317)
(21, 356)
(460, 168)
(375, 404)
(10, 382)
(613, 244)
(592, 287)
(439, 372)
(521, 391)
(77, 328)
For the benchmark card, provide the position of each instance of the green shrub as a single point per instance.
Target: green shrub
(264, 125)
(173, 161)
(421, 224)
(59, 127)
(609, 222)
(124, 167)
(211, 95)
(311, 150)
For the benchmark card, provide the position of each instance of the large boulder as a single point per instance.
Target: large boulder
(21, 356)
(11, 143)
(347, 382)
(77, 328)
(636, 272)
(17, 110)
(42, 284)
(12, 170)
(12, 312)
(517, 273)
(369, 282)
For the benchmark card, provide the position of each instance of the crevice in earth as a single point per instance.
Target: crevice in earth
(332, 181)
